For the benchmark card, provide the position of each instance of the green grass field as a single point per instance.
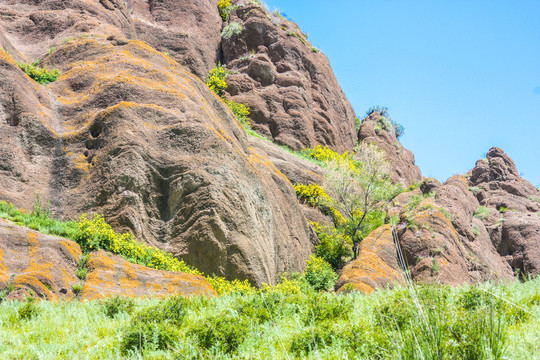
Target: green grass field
(486, 321)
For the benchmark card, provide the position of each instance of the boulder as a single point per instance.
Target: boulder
(35, 264)
(376, 266)
(110, 275)
(402, 159)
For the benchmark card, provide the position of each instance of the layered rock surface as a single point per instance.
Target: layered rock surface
(402, 159)
(289, 86)
(513, 221)
(128, 132)
(43, 266)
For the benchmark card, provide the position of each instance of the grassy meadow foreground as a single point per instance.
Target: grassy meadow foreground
(289, 321)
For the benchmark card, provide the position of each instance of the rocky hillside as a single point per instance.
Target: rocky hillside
(130, 130)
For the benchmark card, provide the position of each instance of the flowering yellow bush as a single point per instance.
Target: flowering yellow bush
(96, 234)
(216, 79)
(226, 287)
(316, 196)
(323, 153)
(241, 112)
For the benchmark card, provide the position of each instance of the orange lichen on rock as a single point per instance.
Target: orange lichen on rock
(112, 275)
(376, 265)
(72, 248)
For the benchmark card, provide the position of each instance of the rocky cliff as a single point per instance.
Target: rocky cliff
(130, 130)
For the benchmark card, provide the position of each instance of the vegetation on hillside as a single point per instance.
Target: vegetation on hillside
(39, 74)
(356, 190)
(217, 82)
(485, 321)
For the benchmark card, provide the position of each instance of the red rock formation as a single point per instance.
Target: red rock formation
(111, 275)
(404, 168)
(514, 206)
(291, 90)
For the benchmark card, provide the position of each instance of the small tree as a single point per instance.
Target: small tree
(360, 186)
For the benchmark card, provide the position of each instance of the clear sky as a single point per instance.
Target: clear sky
(460, 75)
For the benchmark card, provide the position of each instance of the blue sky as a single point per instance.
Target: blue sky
(461, 75)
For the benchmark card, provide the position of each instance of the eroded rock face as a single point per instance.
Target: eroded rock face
(402, 159)
(36, 264)
(292, 92)
(127, 132)
(514, 204)
(440, 241)
(45, 266)
(377, 265)
(110, 275)
(187, 30)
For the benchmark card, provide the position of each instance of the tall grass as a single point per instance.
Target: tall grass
(486, 321)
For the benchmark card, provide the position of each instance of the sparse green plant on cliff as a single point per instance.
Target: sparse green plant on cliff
(385, 122)
(40, 75)
(232, 29)
(482, 213)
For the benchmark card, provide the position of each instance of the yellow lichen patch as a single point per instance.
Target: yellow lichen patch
(5, 57)
(4, 277)
(72, 248)
(94, 282)
(33, 245)
(100, 261)
(32, 282)
(255, 158)
(129, 279)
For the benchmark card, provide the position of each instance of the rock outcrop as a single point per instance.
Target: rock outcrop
(402, 159)
(43, 266)
(110, 275)
(512, 217)
(36, 264)
(439, 240)
(128, 132)
(289, 86)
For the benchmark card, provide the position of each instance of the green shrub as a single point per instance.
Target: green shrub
(40, 75)
(314, 50)
(334, 247)
(223, 332)
(232, 29)
(29, 310)
(319, 274)
(155, 336)
(503, 209)
(312, 339)
(482, 213)
(172, 310)
(118, 304)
